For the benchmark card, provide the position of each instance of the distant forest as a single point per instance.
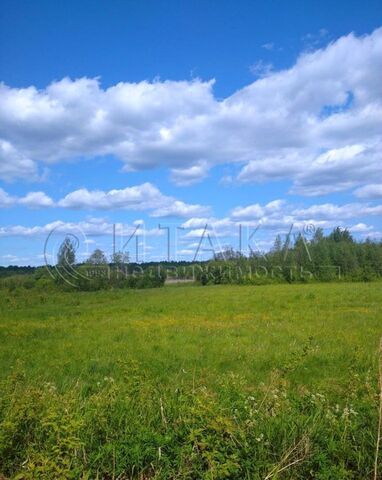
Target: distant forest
(337, 256)
(334, 257)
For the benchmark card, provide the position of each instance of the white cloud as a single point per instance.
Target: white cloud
(139, 197)
(196, 227)
(326, 215)
(372, 235)
(5, 199)
(361, 228)
(340, 169)
(329, 211)
(186, 251)
(369, 191)
(222, 225)
(196, 222)
(257, 211)
(72, 119)
(36, 200)
(14, 164)
(176, 208)
(271, 218)
(91, 226)
(189, 176)
(10, 259)
(202, 232)
(280, 126)
(30, 200)
(268, 46)
(280, 215)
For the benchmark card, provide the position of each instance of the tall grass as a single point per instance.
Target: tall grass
(190, 383)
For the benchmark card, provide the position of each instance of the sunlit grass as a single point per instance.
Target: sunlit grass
(158, 383)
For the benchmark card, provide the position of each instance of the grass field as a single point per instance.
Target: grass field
(191, 382)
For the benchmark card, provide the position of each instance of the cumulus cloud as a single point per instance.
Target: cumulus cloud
(5, 199)
(369, 191)
(219, 227)
(139, 197)
(31, 200)
(92, 227)
(36, 200)
(280, 216)
(328, 105)
(270, 218)
(284, 215)
(339, 169)
(144, 197)
(176, 208)
(361, 228)
(204, 233)
(257, 211)
(189, 176)
(74, 119)
(14, 164)
(329, 211)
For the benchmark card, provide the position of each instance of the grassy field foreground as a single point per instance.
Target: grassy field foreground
(190, 382)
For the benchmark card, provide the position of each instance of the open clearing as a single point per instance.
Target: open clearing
(191, 382)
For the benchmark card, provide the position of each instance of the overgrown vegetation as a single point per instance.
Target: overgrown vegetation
(85, 277)
(334, 257)
(190, 383)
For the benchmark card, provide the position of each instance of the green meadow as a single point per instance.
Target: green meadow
(191, 382)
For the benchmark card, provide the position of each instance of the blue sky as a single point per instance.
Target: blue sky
(187, 114)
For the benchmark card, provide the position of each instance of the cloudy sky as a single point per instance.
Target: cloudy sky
(257, 117)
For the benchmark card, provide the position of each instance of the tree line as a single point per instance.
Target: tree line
(336, 256)
(333, 257)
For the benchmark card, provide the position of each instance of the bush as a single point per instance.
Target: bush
(93, 278)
